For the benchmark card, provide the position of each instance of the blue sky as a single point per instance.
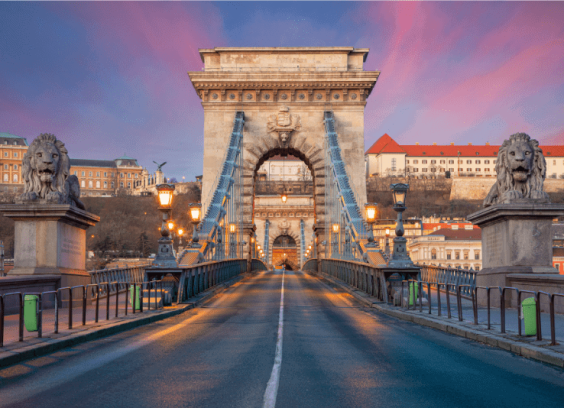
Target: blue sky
(110, 78)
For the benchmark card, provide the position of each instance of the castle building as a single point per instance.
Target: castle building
(388, 158)
(12, 150)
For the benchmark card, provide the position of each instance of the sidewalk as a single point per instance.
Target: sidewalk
(15, 351)
(527, 347)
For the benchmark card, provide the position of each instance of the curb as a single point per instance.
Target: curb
(495, 340)
(48, 345)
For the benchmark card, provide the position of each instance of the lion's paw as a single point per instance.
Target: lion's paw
(55, 197)
(29, 196)
(538, 194)
(511, 195)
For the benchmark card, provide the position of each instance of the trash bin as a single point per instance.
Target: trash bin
(413, 292)
(135, 302)
(30, 312)
(529, 315)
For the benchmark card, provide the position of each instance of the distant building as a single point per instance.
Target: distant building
(558, 259)
(287, 168)
(451, 248)
(387, 158)
(12, 150)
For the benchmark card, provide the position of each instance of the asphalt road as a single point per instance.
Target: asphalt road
(330, 352)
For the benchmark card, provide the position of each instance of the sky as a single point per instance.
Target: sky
(111, 78)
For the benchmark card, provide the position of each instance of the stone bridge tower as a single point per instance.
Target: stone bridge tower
(284, 92)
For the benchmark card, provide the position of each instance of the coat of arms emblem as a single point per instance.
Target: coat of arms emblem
(284, 123)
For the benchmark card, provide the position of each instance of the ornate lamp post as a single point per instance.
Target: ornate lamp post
(335, 241)
(284, 197)
(400, 259)
(165, 256)
(232, 244)
(180, 232)
(195, 216)
(371, 210)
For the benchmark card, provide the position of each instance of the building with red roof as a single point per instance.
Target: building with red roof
(386, 157)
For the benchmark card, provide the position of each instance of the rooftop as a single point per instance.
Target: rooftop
(92, 163)
(10, 139)
(460, 234)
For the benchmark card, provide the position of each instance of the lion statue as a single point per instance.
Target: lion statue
(521, 170)
(45, 171)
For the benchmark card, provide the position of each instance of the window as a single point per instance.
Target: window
(15, 154)
(90, 174)
(6, 178)
(433, 162)
(296, 172)
(451, 170)
(486, 162)
(451, 162)
(478, 169)
(121, 175)
(457, 255)
(97, 174)
(448, 255)
(128, 175)
(466, 257)
(460, 169)
(477, 161)
(433, 253)
(5, 154)
(82, 184)
(393, 164)
(468, 161)
(424, 161)
(424, 170)
(469, 170)
(477, 268)
(89, 183)
(112, 174)
(105, 174)
(15, 166)
(476, 255)
(442, 162)
(15, 178)
(105, 184)
(75, 172)
(97, 184)
(121, 184)
(415, 161)
(113, 184)
(415, 170)
(487, 169)
(5, 167)
(494, 161)
(83, 174)
(433, 170)
(128, 184)
(407, 161)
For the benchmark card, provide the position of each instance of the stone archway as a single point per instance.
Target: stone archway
(285, 249)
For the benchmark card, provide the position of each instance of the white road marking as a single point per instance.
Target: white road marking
(272, 386)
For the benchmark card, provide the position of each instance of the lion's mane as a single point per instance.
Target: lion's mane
(32, 181)
(532, 188)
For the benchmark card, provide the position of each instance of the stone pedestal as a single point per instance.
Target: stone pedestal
(50, 239)
(516, 239)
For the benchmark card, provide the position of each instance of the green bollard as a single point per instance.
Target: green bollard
(134, 304)
(30, 312)
(529, 307)
(413, 290)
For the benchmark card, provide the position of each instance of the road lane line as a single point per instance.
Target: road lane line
(272, 386)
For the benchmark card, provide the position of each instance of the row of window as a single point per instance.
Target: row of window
(6, 178)
(6, 154)
(6, 166)
(90, 173)
(456, 255)
(444, 162)
(98, 184)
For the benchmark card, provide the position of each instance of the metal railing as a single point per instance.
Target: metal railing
(444, 275)
(65, 298)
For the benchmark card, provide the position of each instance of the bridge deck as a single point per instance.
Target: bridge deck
(334, 353)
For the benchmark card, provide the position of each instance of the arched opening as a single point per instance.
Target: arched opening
(284, 229)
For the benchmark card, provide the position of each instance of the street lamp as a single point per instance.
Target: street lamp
(232, 245)
(165, 257)
(180, 233)
(335, 242)
(400, 259)
(387, 249)
(371, 210)
(195, 216)
(284, 197)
